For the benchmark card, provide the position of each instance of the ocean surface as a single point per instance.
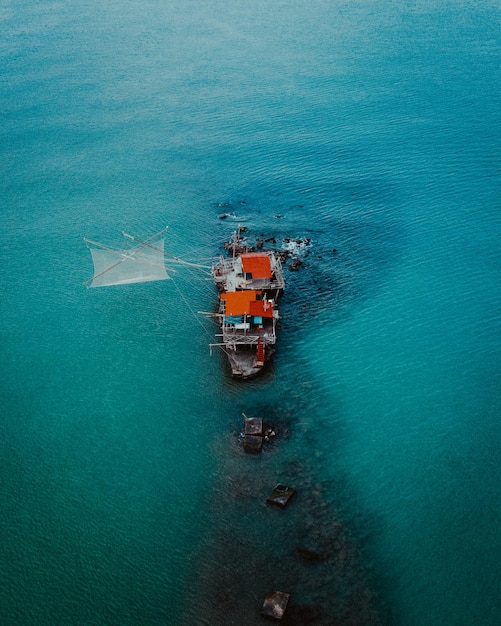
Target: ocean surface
(369, 127)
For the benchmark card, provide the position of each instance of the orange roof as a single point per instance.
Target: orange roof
(239, 302)
(257, 264)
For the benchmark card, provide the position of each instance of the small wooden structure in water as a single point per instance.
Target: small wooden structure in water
(275, 605)
(280, 496)
(253, 434)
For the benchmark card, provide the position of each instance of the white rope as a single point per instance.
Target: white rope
(195, 315)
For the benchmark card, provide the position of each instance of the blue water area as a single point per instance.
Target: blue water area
(370, 129)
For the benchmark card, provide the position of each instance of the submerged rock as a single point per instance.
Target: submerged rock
(300, 614)
(309, 555)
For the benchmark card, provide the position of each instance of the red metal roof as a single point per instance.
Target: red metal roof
(263, 308)
(257, 264)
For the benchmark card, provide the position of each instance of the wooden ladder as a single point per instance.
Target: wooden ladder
(260, 352)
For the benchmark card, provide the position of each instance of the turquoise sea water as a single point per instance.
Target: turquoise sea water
(371, 127)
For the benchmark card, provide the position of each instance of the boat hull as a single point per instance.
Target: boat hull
(244, 362)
